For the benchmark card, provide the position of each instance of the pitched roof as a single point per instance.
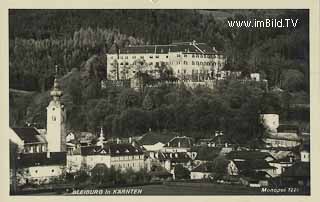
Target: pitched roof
(185, 142)
(248, 155)
(206, 153)
(41, 159)
(283, 136)
(153, 138)
(29, 135)
(252, 165)
(111, 149)
(185, 47)
(177, 157)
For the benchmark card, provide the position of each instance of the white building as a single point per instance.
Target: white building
(120, 156)
(56, 117)
(41, 158)
(188, 60)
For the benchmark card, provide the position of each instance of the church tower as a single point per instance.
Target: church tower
(56, 118)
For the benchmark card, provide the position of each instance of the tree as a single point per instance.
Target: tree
(219, 167)
(181, 172)
(147, 103)
(293, 80)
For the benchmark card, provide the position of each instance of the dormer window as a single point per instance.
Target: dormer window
(127, 151)
(117, 151)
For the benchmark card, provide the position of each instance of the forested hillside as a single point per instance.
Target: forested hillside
(77, 40)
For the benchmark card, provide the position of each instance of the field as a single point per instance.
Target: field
(190, 189)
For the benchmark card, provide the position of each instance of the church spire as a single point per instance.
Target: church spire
(101, 138)
(56, 93)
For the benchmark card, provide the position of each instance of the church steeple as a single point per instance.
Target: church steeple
(56, 119)
(101, 138)
(56, 93)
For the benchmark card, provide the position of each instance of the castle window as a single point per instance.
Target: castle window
(178, 55)
(53, 108)
(141, 57)
(133, 57)
(126, 57)
(52, 171)
(185, 56)
(201, 56)
(157, 56)
(193, 55)
(121, 57)
(197, 63)
(185, 62)
(121, 63)
(151, 56)
(36, 171)
(54, 118)
(167, 56)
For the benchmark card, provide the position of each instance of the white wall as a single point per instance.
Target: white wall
(270, 121)
(55, 127)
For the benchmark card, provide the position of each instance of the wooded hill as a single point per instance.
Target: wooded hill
(77, 41)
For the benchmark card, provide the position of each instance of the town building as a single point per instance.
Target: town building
(188, 60)
(121, 156)
(179, 144)
(279, 135)
(43, 157)
(28, 140)
(154, 141)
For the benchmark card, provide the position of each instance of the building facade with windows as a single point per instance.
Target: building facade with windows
(188, 60)
(120, 156)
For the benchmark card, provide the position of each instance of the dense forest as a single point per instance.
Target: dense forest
(77, 40)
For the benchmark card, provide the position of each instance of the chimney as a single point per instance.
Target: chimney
(130, 139)
(118, 140)
(157, 155)
(176, 154)
(179, 144)
(48, 154)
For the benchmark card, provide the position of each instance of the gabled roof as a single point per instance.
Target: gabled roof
(29, 135)
(252, 165)
(151, 138)
(206, 153)
(41, 159)
(111, 149)
(177, 157)
(248, 155)
(184, 142)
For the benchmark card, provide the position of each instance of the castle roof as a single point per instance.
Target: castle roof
(185, 47)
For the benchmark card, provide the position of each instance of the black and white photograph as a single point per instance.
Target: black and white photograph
(159, 102)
